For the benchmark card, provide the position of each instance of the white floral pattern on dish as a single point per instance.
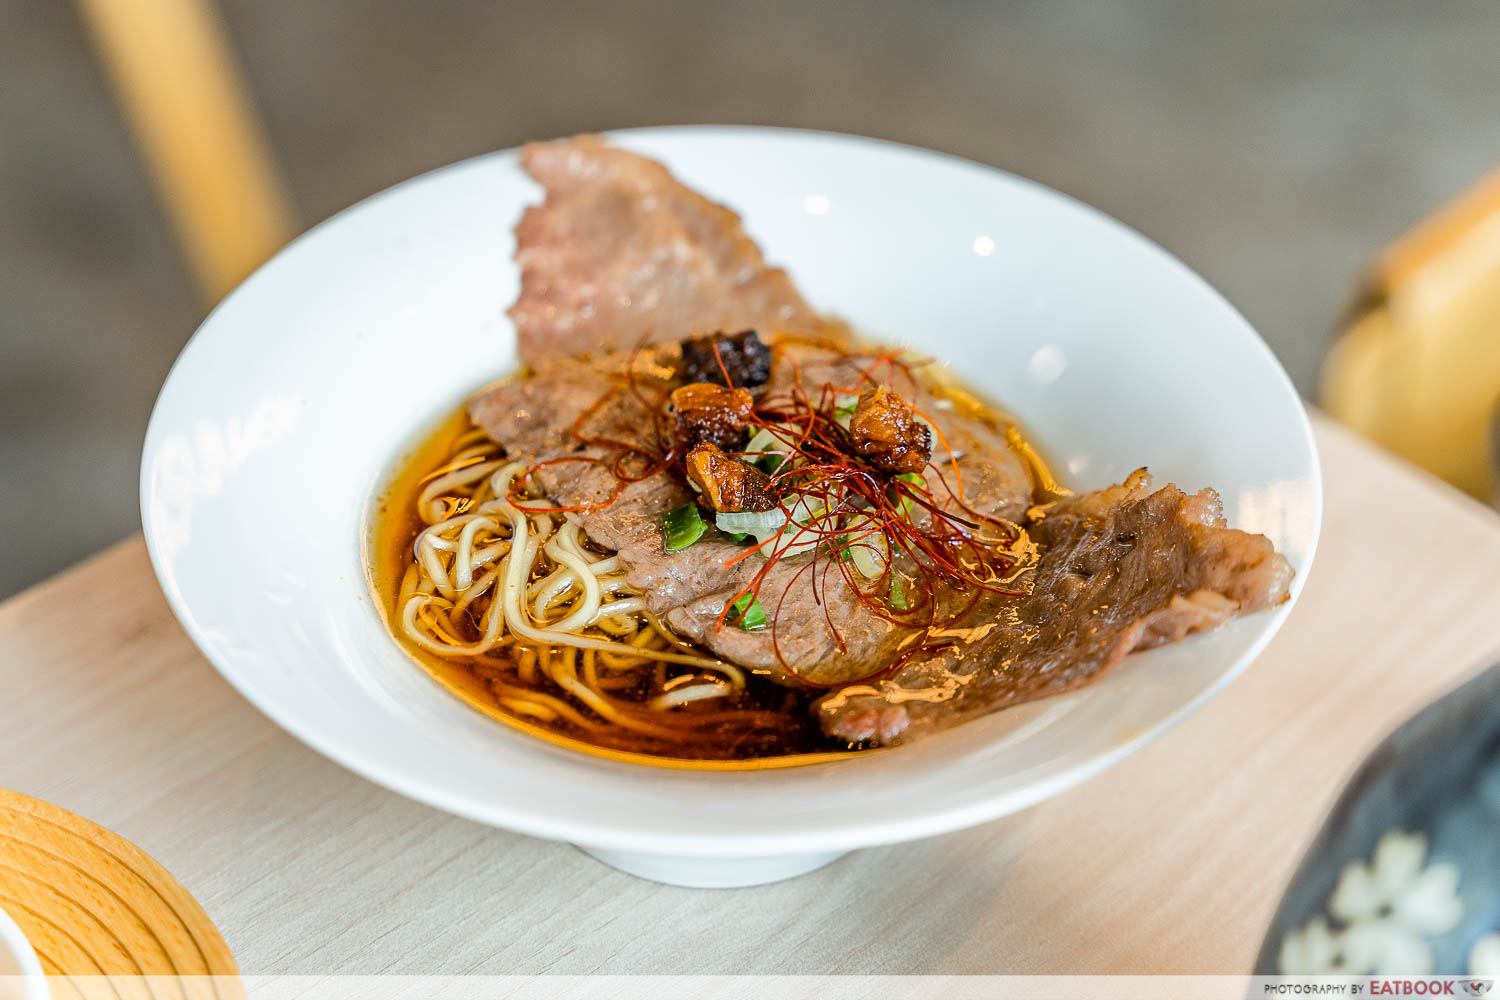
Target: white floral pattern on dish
(1386, 909)
(1484, 957)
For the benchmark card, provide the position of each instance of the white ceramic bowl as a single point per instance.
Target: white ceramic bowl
(21, 976)
(279, 422)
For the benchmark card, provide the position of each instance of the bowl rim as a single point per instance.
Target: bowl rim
(866, 831)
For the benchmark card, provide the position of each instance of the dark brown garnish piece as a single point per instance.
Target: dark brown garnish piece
(729, 485)
(711, 413)
(888, 434)
(738, 359)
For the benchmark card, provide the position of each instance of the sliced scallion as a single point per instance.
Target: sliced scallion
(907, 503)
(683, 526)
(747, 613)
(771, 450)
(898, 595)
(844, 406)
(865, 546)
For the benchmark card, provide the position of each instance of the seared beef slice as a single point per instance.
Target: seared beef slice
(535, 417)
(1121, 569)
(620, 254)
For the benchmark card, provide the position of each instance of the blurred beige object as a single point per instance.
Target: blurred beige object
(93, 904)
(179, 88)
(1419, 368)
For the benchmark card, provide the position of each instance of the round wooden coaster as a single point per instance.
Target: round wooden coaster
(93, 904)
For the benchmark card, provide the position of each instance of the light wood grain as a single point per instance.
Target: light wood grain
(91, 903)
(1170, 862)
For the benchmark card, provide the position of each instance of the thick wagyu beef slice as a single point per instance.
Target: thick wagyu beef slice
(822, 634)
(1121, 569)
(546, 417)
(620, 254)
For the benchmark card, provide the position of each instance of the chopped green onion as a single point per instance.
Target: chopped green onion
(683, 526)
(776, 450)
(865, 546)
(843, 412)
(898, 595)
(749, 613)
(771, 462)
(907, 503)
(738, 536)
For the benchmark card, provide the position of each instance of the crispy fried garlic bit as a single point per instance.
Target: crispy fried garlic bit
(728, 485)
(888, 434)
(712, 414)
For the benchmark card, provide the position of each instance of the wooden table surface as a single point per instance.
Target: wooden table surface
(1169, 863)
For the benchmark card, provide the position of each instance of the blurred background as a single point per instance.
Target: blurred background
(1278, 147)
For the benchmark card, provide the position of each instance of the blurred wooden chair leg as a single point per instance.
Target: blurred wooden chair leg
(1418, 370)
(180, 90)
